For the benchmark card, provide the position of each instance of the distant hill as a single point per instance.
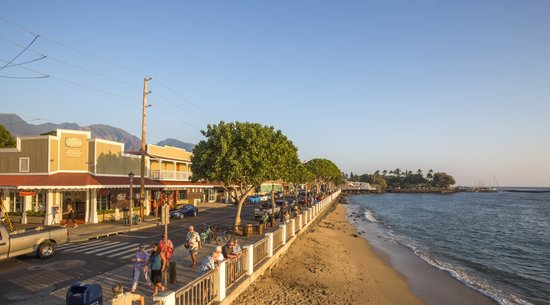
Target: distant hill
(177, 143)
(18, 127)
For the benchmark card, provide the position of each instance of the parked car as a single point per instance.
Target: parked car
(183, 211)
(42, 242)
(254, 199)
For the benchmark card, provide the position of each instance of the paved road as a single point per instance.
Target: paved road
(28, 277)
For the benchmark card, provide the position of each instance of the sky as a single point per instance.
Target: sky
(461, 87)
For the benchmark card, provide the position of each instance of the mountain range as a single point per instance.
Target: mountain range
(18, 127)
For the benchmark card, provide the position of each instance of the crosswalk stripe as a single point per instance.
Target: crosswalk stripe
(119, 249)
(69, 245)
(105, 248)
(88, 247)
(123, 252)
(127, 256)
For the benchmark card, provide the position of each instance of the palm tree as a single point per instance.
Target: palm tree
(419, 172)
(397, 172)
(384, 172)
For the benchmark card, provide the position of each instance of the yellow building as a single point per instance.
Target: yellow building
(43, 174)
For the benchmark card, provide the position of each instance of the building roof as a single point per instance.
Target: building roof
(71, 181)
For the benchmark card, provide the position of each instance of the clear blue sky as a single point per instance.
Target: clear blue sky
(457, 86)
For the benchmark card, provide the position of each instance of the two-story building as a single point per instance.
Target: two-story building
(45, 173)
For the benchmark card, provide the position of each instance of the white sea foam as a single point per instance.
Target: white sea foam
(369, 215)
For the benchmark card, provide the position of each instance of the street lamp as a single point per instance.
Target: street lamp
(131, 176)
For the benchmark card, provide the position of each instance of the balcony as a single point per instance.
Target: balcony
(169, 175)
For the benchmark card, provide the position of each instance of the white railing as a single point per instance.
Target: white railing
(212, 286)
(169, 175)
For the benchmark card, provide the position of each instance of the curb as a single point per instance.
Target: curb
(111, 233)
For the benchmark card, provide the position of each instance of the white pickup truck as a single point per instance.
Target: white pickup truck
(41, 241)
(258, 212)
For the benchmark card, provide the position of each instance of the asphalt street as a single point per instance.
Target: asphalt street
(26, 277)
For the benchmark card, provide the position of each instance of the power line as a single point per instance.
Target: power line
(110, 63)
(79, 84)
(185, 99)
(72, 65)
(23, 51)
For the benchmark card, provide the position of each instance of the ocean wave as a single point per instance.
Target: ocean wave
(468, 280)
(369, 215)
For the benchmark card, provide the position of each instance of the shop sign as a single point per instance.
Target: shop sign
(103, 192)
(23, 194)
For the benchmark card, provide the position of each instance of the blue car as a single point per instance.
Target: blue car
(184, 211)
(254, 199)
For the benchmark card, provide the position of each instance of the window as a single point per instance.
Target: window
(23, 165)
(103, 202)
(182, 195)
(15, 202)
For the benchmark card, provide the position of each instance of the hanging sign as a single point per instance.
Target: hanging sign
(23, 194)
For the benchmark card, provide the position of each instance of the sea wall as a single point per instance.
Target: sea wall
(223, 285)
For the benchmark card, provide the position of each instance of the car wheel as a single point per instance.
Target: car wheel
(195, 213)
(45, 250)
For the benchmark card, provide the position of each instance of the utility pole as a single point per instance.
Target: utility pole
(142, 150)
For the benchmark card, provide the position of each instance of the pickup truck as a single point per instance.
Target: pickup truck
(41, 241)
(258, 212)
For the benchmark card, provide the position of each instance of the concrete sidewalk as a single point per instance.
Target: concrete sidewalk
(123, 274)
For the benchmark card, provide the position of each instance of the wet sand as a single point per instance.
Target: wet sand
(331, 265)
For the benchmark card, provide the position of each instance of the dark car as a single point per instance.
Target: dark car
(184, 211)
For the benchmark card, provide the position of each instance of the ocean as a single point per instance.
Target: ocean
(496, 243)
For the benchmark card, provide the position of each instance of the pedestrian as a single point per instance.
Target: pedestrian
(157, 265)
(140, 264)
(227, 250)
(167, 247)
(70, 214)
(193, 243)
(209, 263)
(221, 255)
(237, 250)
(125, 298)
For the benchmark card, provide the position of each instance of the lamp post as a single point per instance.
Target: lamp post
(131, 176)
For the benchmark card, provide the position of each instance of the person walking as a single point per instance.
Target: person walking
(125, 298)
(140, 264)
(157, 264)
(193, 243)
(70, 214)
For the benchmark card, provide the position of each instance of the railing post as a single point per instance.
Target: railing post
(165, 298)
(250, 259)
(220, 282)
(293, 233)
(269, 244)
(300, 221)
(283, 228)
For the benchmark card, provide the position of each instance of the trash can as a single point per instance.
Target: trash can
(261, 228)
(84, 294)
(248, 230)
(172, 276)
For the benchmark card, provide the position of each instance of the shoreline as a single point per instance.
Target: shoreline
(433, 285)
(331, 264)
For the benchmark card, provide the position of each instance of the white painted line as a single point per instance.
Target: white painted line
(88, 247)
(67, 246)
(118, 249)
(127, 256)
(124, 252)
(105, 248)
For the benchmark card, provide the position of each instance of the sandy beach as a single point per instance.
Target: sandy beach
(330, 265)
